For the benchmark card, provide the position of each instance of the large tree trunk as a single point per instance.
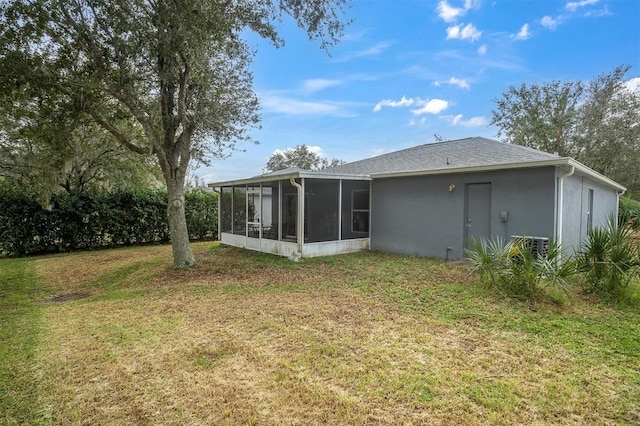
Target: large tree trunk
(182, 255)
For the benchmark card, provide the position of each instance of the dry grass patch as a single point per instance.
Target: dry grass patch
(87, 272)
(316, 358)
(370, 338)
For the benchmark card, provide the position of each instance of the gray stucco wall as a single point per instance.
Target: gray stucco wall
(576, 207)
(419, 216)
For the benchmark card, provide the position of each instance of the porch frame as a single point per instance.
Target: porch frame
(300, 248)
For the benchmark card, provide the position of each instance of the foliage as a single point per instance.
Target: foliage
(514, 269)
(301, 156)
(46, 147)
(177, 72)
(609, 259)
(91, 220)
(202, 214)
(629, 213)
(594, 122)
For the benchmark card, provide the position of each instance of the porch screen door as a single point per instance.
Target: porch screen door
(254, 216)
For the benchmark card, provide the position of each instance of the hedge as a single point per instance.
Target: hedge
(90, 221)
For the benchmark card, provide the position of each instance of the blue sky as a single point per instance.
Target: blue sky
(409, 69)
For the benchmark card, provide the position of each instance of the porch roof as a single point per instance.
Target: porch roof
(290, 173)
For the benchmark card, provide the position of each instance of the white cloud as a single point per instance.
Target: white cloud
(573, 5)
(414, 122)
(457, 120)
(275, 103)
(403, 102)
(373, 50)
(475, 122)
(317, 84)
(463, 84)
(468, 32)
(523, 34)
(598, 13)
(449, 13)
(549, 22)
(482, 50)
(432, 106)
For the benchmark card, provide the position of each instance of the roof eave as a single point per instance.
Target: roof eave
(595, 175)
(560, 161)
(287, 176)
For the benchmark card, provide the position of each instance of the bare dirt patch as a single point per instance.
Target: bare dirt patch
(66, 297)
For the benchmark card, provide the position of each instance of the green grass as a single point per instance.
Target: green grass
(20, 319)
(250, 338)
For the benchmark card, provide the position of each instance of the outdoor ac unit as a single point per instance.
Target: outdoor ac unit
(538, 245)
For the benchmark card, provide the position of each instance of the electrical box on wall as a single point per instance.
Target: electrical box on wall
(504, 216)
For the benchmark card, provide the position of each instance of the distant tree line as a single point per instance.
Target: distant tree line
(301, 156)
(96, 219)
(596, 122)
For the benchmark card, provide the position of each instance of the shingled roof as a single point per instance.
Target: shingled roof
(454, 154)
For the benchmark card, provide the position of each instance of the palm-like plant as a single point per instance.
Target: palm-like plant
(609, 259)
(513, 268)
(487, 255)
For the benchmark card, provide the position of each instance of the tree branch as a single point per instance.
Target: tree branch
(120, 137)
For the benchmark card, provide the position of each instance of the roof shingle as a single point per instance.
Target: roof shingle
(454, 154)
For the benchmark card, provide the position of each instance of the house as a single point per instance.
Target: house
(430, 200)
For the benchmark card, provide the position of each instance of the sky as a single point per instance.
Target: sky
(407, 72)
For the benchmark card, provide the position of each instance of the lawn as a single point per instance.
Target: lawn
(117, 337)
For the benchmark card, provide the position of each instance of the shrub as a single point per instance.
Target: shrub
(514, 269)
(94, 220)
(201, 214)
(609, 259)
(629, 213)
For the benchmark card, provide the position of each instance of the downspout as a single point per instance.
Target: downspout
(300, 218)
(560, 208)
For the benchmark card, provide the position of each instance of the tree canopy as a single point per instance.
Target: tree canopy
(47, 148)
(301, 156)
(165, 78)
(596, 122)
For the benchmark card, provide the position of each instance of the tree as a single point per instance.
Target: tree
(177, 69)
(300, 156)
(596, 122)
(46, 156)
(541, 116)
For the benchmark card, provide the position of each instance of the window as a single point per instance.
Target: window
(590, 211)
(360, 210)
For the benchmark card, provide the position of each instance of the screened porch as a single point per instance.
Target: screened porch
(296, 214)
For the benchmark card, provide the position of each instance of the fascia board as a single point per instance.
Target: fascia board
(287, 176)
(561, 161)
(586, 171)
